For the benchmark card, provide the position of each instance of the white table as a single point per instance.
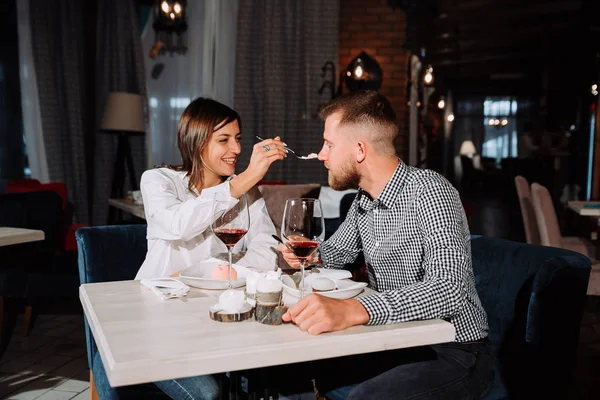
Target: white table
(128, 206)
(144, 339)
(9, 236)
(579, 208)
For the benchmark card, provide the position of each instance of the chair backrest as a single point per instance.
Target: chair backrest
(534, 297)
(43, 211)
(532, 233)
(109, 253)
(545, 216)
(32, 185)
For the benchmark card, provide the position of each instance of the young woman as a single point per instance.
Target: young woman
(178, 200)
(178, 203)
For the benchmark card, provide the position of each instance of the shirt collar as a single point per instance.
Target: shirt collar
(390, 192)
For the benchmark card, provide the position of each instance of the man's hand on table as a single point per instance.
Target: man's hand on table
(316, 314)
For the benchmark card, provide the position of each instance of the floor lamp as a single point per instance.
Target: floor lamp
(123, 116)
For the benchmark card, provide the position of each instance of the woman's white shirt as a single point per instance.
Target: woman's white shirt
(179, 233)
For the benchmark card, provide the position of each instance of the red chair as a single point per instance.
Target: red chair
(67, 239)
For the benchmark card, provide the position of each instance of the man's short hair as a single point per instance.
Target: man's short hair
(369, 109)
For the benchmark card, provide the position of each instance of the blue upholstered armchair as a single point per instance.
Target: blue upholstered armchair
(112, 253)
(534, 297)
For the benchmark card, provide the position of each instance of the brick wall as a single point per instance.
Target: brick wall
(374, 27)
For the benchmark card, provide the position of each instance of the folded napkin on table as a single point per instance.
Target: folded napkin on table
(166, 288)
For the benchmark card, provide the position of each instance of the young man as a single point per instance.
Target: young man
(410, 225)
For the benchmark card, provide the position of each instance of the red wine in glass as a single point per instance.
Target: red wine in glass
(303, 228)
(303, 249)
(231, 221)
(230, 236)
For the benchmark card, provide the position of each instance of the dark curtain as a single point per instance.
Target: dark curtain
(58, 41)
(83, 51)
(119, 68)
(281, 47)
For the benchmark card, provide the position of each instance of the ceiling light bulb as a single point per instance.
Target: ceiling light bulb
(450, 118)
(504, 122)
(164, 6)
(441, 104)
(177, 8)
(172, 16)
(491, 122)
(428, 78)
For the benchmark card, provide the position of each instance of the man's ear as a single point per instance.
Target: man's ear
(361, 151)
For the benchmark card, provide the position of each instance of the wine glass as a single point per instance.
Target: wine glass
(230, 222)
(303, 228)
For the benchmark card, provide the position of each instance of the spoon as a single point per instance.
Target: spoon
(288, 150)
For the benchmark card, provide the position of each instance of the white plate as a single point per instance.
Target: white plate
(346, 288)
(199, 276)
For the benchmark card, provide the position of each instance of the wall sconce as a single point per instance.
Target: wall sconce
(428, 77)
(169, 19)
(363, 73)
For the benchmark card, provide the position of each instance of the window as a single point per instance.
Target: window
(500, 128)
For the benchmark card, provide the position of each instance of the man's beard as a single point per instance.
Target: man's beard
(346, 178)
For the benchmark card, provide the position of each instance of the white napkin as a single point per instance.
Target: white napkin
(166, 288)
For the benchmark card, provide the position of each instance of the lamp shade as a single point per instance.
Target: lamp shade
(467, 148)
(123, 112)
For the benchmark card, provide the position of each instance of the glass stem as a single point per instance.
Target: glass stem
(230, 286)
(302, 266)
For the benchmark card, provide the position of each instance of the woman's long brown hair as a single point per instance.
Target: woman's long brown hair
(198, 121)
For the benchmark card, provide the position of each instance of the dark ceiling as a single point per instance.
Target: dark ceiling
(507, 40)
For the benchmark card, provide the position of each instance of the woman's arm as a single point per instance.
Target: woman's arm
(171, 218)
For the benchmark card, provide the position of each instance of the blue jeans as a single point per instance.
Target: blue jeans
(444, 371)
(204, 387)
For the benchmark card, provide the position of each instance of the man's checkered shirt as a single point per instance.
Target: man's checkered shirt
(417, 247)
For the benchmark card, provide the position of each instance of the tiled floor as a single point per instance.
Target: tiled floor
(49, 364)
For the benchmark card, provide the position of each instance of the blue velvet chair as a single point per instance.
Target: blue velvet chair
(111, 253)
(534, 297)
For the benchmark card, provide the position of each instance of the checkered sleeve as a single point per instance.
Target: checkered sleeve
(344, 245)
(446, 262)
